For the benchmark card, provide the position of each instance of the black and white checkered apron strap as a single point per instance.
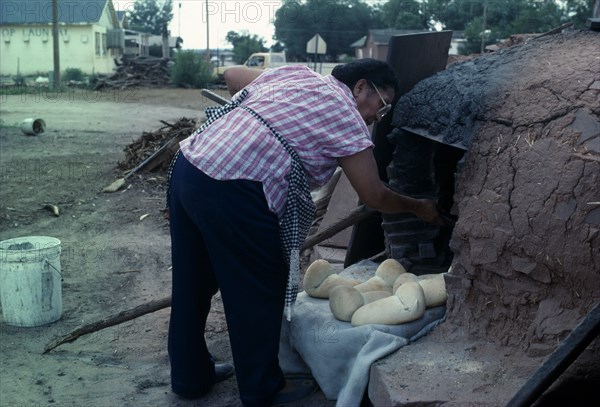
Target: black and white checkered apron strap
(297, 218)
(212, 114)
(216, 112)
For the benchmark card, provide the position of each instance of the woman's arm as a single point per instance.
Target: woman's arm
(361, 170)
(238, 77)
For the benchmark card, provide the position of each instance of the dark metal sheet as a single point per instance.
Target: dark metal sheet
(418, 56)
(439, 139)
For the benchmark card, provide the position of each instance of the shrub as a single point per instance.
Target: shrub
(73, 74)
(191, 70)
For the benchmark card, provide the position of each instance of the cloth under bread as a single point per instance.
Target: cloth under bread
(335, 353)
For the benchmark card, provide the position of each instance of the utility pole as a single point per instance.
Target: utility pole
(483, 27)
(55, 43)
(207, 35)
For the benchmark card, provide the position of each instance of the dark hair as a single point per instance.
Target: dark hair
(373, 70)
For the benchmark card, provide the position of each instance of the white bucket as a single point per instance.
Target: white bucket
(30, 280)
(33, 127)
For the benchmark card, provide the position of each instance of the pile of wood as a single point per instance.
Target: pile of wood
(151, 142)
(138, 71)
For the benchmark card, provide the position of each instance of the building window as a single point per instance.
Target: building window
(104, 45)
(97, 43)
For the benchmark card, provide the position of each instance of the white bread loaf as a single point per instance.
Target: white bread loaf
(403, 278)
(407, 304)
(320, 278)
(434, 288)
(344, 300)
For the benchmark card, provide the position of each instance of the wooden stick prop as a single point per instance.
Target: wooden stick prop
(214, 97)
(553, 31)
(360, 213)
(563, 356)
(112, 320)
(357, 215)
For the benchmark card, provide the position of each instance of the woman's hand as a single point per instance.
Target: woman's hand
(428, 212)
(361, 170)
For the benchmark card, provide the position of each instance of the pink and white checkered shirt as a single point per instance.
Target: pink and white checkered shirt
(317, 115)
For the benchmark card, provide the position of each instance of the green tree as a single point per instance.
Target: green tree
(451, 14)
(500, 19)
(338, 22)
(538, 17)
(403, 15)
(150, 17)
(473, 35)
(578, 11)
(244, 45)
(277, 47)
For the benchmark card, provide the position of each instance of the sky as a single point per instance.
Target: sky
(190, 20)
(255, 17)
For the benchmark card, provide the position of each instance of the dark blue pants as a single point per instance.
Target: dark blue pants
(225, 238)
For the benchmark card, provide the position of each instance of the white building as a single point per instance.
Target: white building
(90, 36)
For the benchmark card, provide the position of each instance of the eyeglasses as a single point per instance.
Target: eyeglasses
(386, 106)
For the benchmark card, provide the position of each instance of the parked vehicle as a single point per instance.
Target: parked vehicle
(258, 60)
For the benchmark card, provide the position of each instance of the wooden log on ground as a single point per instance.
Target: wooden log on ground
(139, 71)
(112, 320)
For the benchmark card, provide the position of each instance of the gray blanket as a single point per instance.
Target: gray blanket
(335, 353)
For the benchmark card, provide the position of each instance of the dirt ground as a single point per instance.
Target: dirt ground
(115, 251)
